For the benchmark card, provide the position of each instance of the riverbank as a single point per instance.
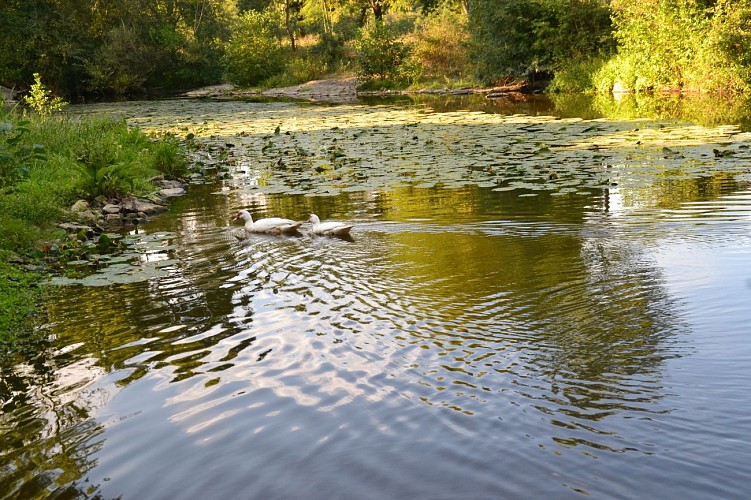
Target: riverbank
(345, 90)
(65, 182)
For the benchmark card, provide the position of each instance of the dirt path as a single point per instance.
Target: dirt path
(339, 90)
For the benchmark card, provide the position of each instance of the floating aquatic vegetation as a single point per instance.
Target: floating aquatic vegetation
(143, 256)
(284, 147)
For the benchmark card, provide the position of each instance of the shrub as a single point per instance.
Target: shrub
(379, 54)
(724, 61)
(657, 43)
(122, 63)
(253, 52)
(41, 100)
(329, 50)
(578, 76)
(680, 44)
(623, 72)
(522, 38)
(108, 168)
(440, 44)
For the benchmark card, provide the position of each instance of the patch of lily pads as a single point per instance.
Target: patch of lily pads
(292, 148)
(140, 257)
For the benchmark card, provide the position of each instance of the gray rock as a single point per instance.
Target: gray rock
(110, 208)
(72, 227)
(171, 184)
(8, 95)
(139, 205)
(80, 206)
(172, 192)
(82, 212)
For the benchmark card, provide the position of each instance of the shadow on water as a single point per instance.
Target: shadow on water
(522, 337)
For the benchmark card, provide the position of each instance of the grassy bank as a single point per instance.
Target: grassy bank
(47, 162)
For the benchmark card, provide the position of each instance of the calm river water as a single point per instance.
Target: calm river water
(529, 307)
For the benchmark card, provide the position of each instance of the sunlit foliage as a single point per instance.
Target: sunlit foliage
(679, 44)
(104, 47)
(439, 43)
(254, 51)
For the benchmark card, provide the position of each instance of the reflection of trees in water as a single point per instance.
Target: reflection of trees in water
(577, 324)
(47, 434)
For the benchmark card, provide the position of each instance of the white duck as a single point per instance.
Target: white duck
(330, 228)
(272, 225)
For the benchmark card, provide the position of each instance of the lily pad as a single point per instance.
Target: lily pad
(321, 151)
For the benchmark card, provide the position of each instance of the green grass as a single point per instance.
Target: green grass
(46, 164)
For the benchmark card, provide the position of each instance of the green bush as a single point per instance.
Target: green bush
(41, 100)
(578, 76)
(680, 44)
(524, 38)
(503, 40)
(724, 61)
(253, 52)
(657, 43)
(379, 54)
(330, 51)
(122, 63)
(107, 167)
(439, 44)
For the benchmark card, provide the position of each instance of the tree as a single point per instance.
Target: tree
(527, 38)
(253, 52)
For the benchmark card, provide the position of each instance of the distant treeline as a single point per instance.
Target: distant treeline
(120, 47)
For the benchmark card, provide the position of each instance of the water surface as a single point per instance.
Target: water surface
(490, 331)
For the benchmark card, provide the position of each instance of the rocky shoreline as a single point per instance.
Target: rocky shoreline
(101, 215)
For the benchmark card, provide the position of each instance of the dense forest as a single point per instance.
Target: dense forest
(85, 48)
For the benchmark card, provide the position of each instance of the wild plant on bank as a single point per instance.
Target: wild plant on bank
(380, 55)
(41, 100)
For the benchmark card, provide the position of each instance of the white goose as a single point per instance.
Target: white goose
(330, 228)
(272, 225)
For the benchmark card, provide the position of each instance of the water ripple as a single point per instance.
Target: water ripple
(514, 340)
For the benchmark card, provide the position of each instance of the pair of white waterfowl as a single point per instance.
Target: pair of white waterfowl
(277, 225)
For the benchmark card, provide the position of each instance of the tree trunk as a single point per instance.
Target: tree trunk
(327, 27)
(288, 24)
(377, 9)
